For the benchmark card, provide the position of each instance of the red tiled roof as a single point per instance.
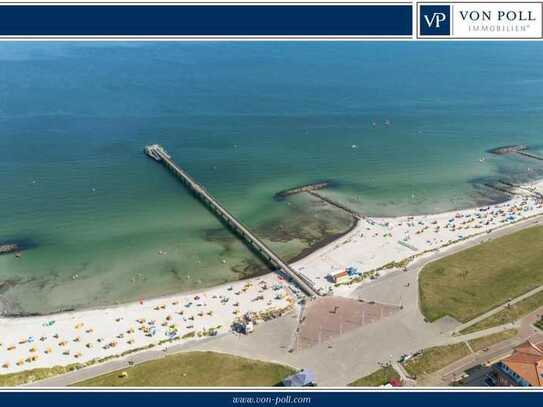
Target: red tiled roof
(394, 382)
(527, 362)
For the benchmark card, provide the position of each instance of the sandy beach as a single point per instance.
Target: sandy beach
(82, 336)
(92, 335)
(377, 246)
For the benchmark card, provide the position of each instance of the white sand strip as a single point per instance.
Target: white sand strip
(81, 336)
(375, 242)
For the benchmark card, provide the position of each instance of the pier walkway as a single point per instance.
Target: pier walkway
(159, 154)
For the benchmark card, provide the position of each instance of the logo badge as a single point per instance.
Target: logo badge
(435, 20)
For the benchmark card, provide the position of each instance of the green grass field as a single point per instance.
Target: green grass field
(476, 280)
(489, 340)
(433, 359)
(508, 315)
(378, 378)
(539, 324)
(33, 375)
(198, 369)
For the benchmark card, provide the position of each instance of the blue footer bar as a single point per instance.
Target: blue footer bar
(270, 398)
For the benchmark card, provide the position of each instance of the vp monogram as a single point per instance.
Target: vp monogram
(435, 20)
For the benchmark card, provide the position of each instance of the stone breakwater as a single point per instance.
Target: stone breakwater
(302, 188)
(16, 245)
(9, 248)
(508, 149)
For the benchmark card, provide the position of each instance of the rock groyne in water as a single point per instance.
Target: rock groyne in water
(16, 245)
(508, 149)
(9, 248)
(516, 149)
(303, 188)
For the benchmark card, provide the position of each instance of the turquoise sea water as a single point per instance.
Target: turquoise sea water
(247, 120)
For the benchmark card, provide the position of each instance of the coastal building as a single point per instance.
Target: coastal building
(393, 382)
(339, 277)
(524, 367)
(304, 378)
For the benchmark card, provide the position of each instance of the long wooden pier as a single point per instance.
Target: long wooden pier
(159, 154)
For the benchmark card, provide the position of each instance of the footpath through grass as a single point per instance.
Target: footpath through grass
(378, 378)
(436, 358)
(469, 283)
(199, 369)
(509, 314)
(489, 340)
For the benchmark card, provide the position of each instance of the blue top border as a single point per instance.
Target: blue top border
(206, 20)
